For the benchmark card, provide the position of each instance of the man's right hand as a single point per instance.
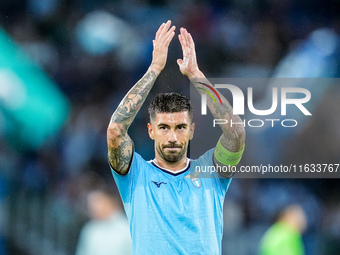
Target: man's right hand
(161, 43)
(120, 147)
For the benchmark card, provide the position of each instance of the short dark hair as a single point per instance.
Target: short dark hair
(168, 103)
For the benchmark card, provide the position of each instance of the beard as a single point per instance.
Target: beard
(172, 156)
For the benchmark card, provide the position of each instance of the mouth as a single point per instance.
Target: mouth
(172, 148)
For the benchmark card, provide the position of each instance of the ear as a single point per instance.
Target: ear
(192, 130)
(151, 131)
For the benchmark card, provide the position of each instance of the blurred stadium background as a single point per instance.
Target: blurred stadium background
(66, 64)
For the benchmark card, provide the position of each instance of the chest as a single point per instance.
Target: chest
(174, 193)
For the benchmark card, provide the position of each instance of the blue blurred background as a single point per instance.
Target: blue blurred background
(65, 65)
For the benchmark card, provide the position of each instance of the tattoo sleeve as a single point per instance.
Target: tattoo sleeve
(120, 146)
(233, 136)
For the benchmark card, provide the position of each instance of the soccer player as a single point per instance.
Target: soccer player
(168, 212)
(285, 235)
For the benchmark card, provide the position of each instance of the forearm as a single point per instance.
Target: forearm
(119, 143)
(233, 136)
(134, 99)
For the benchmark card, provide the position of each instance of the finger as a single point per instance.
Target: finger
(179, 62)
(165, 29)
(162, 28)
(181, 40)
(169, 38)
(184, 43)
(188, 39)
(191, 41)
(159, 30)
(184, 33)
(185, 37)
(172, 29)
(169, 35)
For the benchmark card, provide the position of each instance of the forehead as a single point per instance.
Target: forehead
(173, 118)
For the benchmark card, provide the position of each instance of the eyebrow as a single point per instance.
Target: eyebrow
(182, 124)
(163, 124)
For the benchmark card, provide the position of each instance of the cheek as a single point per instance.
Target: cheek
(159, 137)
(185, 137)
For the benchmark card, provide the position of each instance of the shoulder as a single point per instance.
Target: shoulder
(88, 228)
(205, 157)
(204, 168)
(204, 161)
(199, 167)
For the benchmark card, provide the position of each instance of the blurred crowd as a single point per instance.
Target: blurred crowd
(96, 50)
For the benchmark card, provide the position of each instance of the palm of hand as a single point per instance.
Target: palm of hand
(188, 65)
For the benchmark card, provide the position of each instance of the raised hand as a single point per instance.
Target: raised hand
(161, 43)
(120, 148)
(188, 65)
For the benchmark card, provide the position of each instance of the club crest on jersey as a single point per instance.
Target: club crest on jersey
(196, 182)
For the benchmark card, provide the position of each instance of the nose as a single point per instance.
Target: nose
(172, 136)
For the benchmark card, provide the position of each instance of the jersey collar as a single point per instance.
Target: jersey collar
(172, 172)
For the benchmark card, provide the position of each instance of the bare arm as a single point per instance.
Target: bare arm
(119, 143)
(233, 137)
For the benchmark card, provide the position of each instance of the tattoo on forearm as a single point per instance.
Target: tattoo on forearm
(233, 135)
(133, 101)
(120, 145)
(232, 141)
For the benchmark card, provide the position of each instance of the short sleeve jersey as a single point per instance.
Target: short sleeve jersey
(171, 213)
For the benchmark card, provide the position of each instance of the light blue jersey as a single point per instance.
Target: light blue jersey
(170, 213)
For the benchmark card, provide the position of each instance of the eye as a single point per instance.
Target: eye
(181, 127)
(163, 127)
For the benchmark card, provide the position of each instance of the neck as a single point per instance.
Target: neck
(174, 166)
